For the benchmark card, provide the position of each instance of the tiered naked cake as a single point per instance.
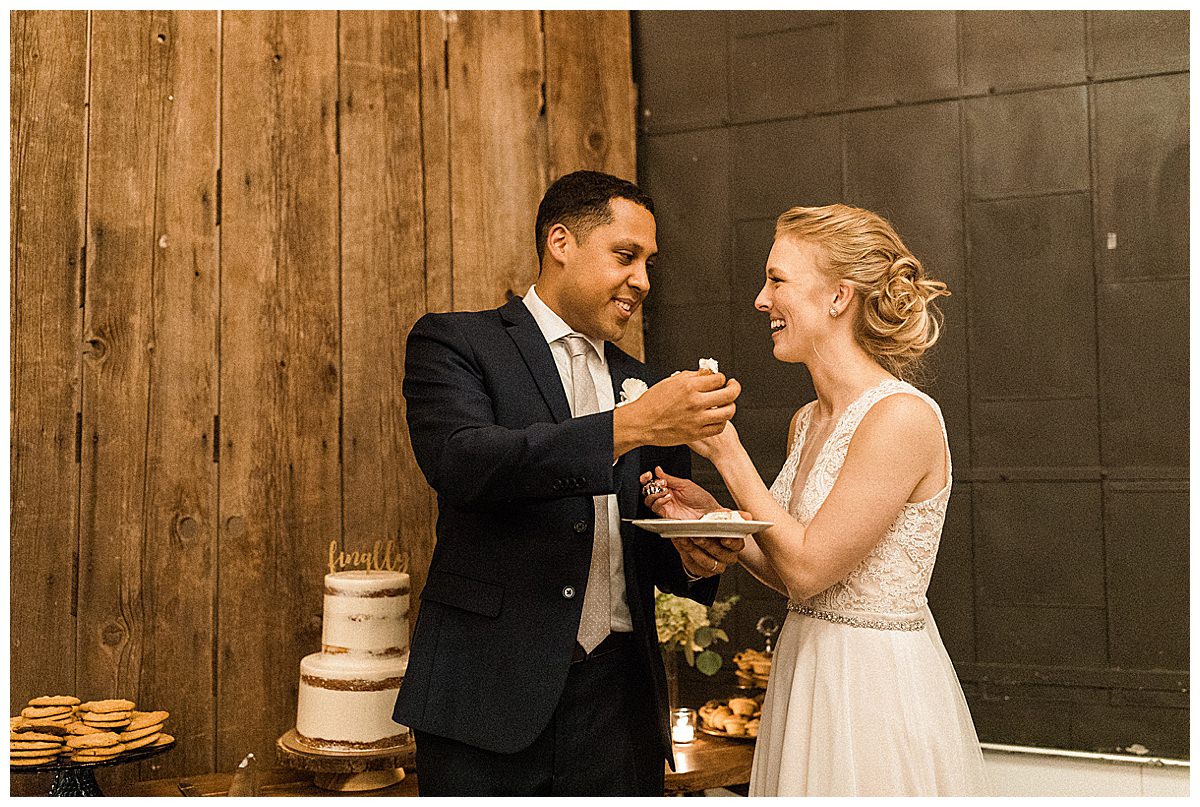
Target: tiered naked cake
(347, 691)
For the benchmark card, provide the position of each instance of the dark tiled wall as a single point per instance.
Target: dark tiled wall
(1038, 163)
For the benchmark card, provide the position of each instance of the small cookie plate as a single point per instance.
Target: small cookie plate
(719, 733)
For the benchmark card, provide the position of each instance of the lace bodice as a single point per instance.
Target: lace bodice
(893, 578)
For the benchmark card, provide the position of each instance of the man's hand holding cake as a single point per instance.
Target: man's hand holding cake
(685, 407)
(698, 402)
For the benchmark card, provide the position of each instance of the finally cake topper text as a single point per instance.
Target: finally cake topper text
(383, 556)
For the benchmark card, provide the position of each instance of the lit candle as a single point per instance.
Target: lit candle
(683, 727)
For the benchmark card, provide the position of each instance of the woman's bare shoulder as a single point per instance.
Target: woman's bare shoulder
(904, 422)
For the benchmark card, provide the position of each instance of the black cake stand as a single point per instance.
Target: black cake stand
(79, 779)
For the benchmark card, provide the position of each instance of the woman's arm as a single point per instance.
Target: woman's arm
(752, 557)
(755, 560)
(682, 498)
(896, 446)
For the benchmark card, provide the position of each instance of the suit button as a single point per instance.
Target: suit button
(581, 527)
(568, 592)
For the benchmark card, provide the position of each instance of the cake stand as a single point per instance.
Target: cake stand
(346, 771)
(78, 778)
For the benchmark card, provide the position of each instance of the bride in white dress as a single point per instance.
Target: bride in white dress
(863, 699)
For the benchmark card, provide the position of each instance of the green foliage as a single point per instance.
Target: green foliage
(708, 662)
(687, 625)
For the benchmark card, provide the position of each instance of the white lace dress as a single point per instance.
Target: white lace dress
(863, 699)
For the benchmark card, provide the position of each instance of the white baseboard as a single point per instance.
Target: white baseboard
(1019, 771)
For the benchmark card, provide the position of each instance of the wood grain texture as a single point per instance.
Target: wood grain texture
(119, 331)
(709, 762)
(268, 201)
(276, 781)
(383, 284)
(179, 552)
(590, 106)
(497, 140)
(280, 501)
(435, 148)
(47, 139)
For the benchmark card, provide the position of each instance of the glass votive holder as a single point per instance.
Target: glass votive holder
(683, 726)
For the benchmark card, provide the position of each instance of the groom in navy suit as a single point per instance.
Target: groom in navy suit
(535, 666)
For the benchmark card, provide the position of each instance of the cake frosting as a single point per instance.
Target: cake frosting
(347, 691)
(722, 515)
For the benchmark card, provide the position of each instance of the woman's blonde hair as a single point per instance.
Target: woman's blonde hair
(899, 320)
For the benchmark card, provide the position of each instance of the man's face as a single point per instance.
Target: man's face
(605, 278)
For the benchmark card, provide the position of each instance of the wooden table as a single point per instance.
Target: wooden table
(273, 782)
(707, 763)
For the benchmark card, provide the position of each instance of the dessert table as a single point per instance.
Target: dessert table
(709, 762)
(271, 782)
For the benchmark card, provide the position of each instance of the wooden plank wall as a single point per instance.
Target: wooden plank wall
(223, 226)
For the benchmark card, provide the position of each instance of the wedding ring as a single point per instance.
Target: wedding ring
(716, 563)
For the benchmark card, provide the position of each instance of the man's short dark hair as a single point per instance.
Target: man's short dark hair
(579, 201)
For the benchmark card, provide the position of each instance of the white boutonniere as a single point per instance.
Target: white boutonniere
(631, 390)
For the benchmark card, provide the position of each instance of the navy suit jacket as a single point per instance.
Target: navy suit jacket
(515, 475)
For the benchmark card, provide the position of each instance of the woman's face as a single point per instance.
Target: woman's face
(796, 297)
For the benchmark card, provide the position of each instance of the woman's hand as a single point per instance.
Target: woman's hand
(684, 499)
(704, 557)
(711, 448)
(676, 497)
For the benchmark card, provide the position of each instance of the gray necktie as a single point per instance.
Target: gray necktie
(597, 611)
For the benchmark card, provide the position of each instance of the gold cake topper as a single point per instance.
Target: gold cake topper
(383, 556)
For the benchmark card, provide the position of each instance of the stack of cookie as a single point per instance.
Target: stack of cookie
(98, 747)
(111, 715)
(95, 731)
(32, 742)
(51, 708)
(146, 728)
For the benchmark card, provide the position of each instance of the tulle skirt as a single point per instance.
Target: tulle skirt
(854, 711)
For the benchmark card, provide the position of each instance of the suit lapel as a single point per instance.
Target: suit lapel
(524, 331)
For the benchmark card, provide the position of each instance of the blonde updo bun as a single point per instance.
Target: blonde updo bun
(897, 320)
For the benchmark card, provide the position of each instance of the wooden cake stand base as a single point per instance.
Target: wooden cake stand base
(346, 771)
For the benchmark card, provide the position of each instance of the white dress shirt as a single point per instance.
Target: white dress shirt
(553, 329)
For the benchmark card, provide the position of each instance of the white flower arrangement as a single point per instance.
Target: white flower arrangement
(687, 625)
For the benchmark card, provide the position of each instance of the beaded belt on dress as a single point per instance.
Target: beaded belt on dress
(856, 621)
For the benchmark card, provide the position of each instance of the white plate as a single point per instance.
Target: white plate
(699, 528)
